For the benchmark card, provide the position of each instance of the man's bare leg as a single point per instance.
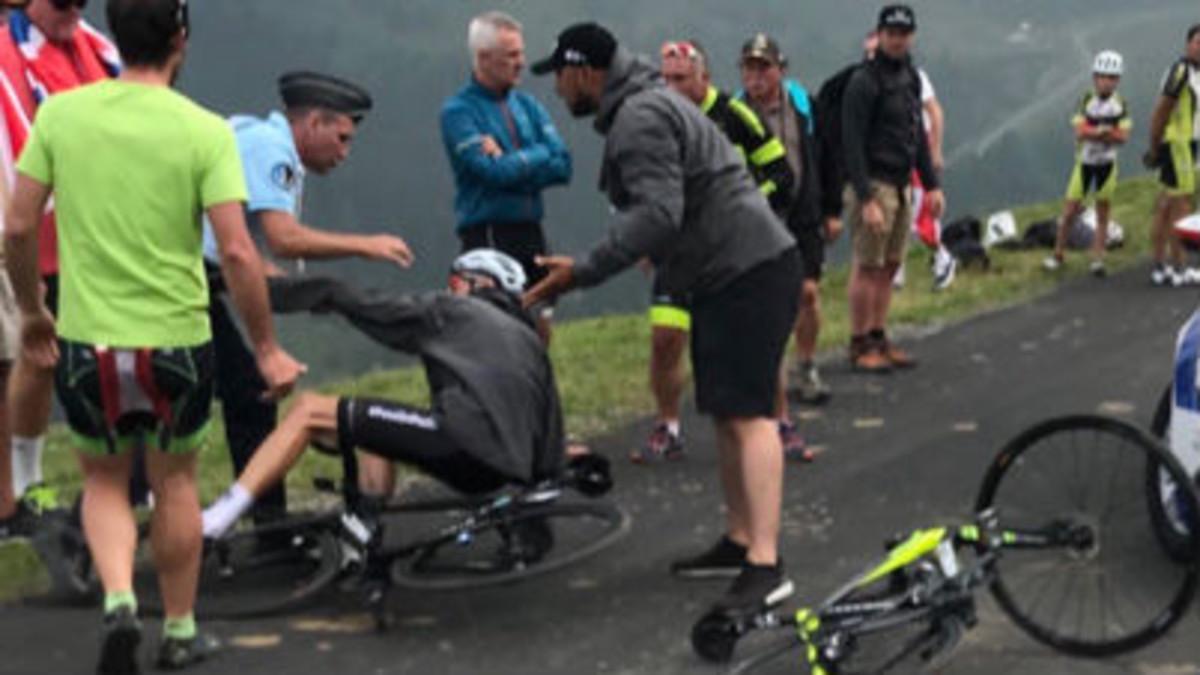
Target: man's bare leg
(313, 416)
(753, 444)
(667, 377)
(108, 523)
(8, 502)
(175, 530)
(29, 390)
(733, 485)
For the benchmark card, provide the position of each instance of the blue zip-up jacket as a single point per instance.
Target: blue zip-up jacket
(504, 189)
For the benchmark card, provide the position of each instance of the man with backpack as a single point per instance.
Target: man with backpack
(783, 104)
(882, 141)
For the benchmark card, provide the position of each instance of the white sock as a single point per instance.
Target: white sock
(223, 513)
(673, 427)
(26, 462)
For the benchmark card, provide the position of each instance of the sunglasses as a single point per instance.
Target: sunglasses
(680, 50)
(64, 5)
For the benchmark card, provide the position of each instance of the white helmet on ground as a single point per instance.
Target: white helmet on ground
(506, 272)
(1108, 62)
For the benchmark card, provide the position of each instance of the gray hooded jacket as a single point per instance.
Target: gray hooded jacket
(490, 378)
(683, 196)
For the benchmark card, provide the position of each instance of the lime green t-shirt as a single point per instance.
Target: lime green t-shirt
(132, 167)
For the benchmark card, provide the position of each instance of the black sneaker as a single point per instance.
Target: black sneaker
(723, 561)
(757, 588)
(19, 524)
(118, 651)
(176, 653)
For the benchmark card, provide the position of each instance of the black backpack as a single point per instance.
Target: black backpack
(827, 113)
(963, 239)
(1041, 234)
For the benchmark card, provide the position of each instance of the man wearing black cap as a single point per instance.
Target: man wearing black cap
(883, 140)
(684, 199)
(313, 133)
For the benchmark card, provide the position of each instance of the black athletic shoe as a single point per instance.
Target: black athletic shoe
(723, 561)
(20, 524)
(757, 588)
(175, 653)
(118, 651)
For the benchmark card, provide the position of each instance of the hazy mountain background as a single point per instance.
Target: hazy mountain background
(1007, 72)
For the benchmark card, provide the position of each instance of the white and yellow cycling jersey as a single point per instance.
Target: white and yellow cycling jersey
(1101, 112)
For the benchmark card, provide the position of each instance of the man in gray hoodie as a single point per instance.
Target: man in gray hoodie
(683, 198)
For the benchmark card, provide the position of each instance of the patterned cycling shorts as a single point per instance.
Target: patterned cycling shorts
(115, 398)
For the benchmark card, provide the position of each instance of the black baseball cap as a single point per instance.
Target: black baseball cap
(581, 44)
(900, 17)
(764, 47)
(304, 88)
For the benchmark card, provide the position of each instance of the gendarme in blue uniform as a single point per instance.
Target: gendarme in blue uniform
(274, 174)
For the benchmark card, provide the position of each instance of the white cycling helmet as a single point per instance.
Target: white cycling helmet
(1108, 62)
(506, 272)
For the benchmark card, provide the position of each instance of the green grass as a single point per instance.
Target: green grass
(601, 363)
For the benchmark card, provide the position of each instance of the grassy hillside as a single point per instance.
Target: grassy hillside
(601, 362)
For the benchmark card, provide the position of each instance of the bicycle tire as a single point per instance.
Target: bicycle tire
(1171, 534)
(260, 571)
(1024, 456)
(418, 571)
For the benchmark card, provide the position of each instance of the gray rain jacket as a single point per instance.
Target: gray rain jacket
(683, 196)
(490, 378)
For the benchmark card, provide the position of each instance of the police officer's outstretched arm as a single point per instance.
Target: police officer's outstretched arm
(289, 238)
(242, 269)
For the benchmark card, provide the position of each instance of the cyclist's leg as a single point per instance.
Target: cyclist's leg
(670, 324)
(1105, 191)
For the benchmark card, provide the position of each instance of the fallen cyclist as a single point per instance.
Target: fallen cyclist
(495, 417)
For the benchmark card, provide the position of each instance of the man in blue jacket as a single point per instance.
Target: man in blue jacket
(503, 149)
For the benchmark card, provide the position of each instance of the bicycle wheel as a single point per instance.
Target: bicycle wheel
(256, 571)
(1101, 584)
(1165, 507)
(525, 542)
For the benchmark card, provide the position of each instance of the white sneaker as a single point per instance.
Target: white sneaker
(1191, 276)
(1052, 264)
(944, 267)
(1161, 275)
(898, 280)
(1098, 269)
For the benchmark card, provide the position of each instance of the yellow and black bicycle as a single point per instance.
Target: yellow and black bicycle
(1066, 536)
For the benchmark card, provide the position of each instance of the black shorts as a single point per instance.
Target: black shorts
(812, 252)
(116, 398)
(413, 436)
(522, 241)
(739, 334)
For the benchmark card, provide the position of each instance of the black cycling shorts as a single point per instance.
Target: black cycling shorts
(116, 398)
(413, 436)
(739, 334)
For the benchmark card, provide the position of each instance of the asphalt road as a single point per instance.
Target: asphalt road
(898, 452)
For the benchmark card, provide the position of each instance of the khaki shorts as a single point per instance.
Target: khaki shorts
(10, 336)
(876, 249)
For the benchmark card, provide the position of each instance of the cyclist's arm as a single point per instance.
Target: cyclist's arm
(21, 241)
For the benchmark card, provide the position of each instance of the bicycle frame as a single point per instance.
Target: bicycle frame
(946, 589)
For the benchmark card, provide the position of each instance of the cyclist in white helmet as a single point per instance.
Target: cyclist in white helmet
(1102, 124)
(495, 417)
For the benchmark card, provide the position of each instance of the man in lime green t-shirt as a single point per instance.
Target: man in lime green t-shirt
(132, 165)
